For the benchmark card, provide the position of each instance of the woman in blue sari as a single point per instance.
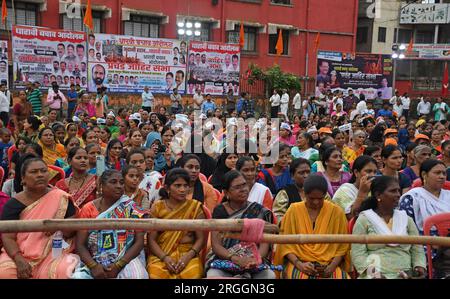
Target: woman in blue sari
(111, 253)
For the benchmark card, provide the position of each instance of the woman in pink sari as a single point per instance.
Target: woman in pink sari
(85, 106)
(29, 254)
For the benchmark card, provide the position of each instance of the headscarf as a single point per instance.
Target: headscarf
(221, 170)
(160, 162)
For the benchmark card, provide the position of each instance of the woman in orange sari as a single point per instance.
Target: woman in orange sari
(29, 254)
(314, 216)
(175, 254)
(81, 185)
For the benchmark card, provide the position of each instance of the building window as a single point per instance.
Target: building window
(402, 36)
(143, 26)
(286, 2)
(205, 32)
(249, 37)
(77, 24)
(361, 35)
(26, 14)
(381, 34)
(425, 36)
(273, 38)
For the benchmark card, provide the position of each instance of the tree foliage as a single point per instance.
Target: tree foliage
(274, 77)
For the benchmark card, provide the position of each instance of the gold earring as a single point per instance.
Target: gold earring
(378, 199)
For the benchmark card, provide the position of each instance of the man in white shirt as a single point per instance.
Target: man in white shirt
(424, 107)
(198, 100)
(297, 103)
(147, 99)
(275, 101)
(393, 100)
(284, 103)
(406, 102)
(4, 105)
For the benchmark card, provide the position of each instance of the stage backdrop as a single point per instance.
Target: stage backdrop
(364, 73)
(213, 67)
(4, 61)
(128, 64)
(46, 55)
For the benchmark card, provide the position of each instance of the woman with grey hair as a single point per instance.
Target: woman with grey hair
(421, 153)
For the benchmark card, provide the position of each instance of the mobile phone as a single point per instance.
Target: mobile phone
(374, 176)
(100, 165)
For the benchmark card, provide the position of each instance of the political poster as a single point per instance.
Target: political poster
(4, 61)
(128, 64)
(47, 55)
(367, 74)
(213, 68)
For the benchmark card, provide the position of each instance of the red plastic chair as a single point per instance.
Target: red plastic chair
(418, 183)
(61, 174)
(442, 223)
(11, 151)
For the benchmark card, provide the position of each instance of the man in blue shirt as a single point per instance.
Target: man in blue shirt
(72, 97)
(241, 103)
(208, 105)
(385, 112)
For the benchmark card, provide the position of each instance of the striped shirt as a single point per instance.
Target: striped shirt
(35, 100)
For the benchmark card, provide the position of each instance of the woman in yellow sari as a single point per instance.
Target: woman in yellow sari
(29, 254)
(175, 254)
(51, 149)
(314, 216)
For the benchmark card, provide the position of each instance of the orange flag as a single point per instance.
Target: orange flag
(279, 45)
(241, 36)
(445, 81)
(4, 11)
(410, 46)
(88, 16)
(317, 42)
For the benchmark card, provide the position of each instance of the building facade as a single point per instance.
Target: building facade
(383, 24)
(300, 21)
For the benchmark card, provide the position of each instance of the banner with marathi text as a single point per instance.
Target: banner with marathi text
(128, 64)
(45, 55)
(4, 72)
(213, 67)
(367, 74)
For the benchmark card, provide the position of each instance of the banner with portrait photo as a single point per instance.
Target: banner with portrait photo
(45, 55)
(213, 67)
(128, 64)
(4, 71)
(368, 74)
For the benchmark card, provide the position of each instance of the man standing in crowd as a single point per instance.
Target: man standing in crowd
(406, 102)
(4, 105)
(72, 97)
(147, 99)
(275, 104)
(208, 105)
(176, 106)
(198, 99)
(249, 105)
(394, 99)
(34, 97)
(424, 107)
(349, 100)
(241, 103)
(440, 110)
(55, 99)
(284, 102)
(297, 104)
(378, 102)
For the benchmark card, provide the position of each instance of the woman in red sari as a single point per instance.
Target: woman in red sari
(28, 254)
(80, 185)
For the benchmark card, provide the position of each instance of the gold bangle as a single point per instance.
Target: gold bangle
(120, 263)
(92, 265)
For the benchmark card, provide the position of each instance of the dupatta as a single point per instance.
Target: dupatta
(169, 240)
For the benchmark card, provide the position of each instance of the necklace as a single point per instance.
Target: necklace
(77, 187)
(233, 209)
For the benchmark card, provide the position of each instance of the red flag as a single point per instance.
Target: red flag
(445, 81)
(410, 46)
(88, 16)
(241, 36)
(4, 11)
(279, 45)
(317, 42)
